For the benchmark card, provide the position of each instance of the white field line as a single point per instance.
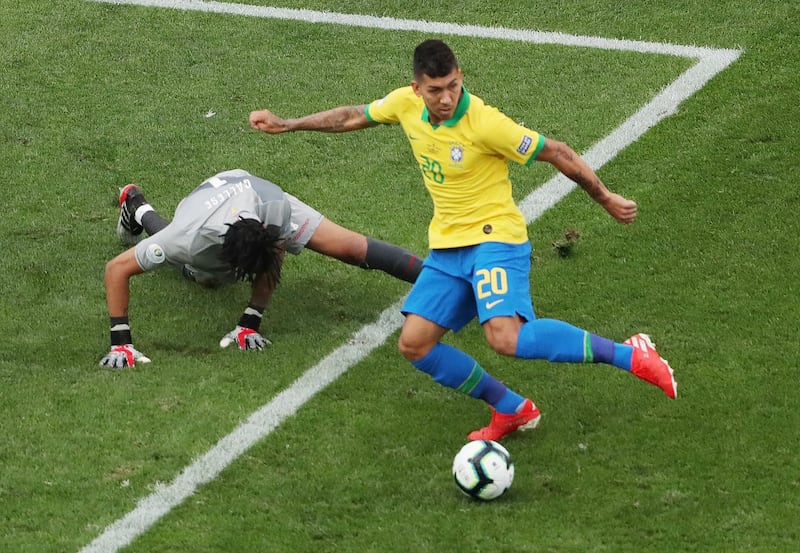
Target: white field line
(165, 497)
(428, 27)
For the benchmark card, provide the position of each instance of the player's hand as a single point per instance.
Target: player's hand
(620, 208)
(267, 122)
(123, 356)
(245, 338)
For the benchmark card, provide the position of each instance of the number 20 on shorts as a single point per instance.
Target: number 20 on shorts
(491, 281)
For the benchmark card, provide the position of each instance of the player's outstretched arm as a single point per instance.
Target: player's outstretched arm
(341, 119)
(117, 281)
(564, 158)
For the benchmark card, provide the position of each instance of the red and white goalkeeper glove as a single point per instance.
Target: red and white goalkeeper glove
(245, 338)
(123, 356)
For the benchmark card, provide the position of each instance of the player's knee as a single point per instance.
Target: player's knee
(503, 341)
(407, 349)
(505, 345)
(411, 349)
(354, 251)
(350, 246)
(338, 242)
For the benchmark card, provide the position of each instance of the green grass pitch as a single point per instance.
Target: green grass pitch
(93, 96)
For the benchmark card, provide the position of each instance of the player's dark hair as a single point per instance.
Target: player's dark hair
(251, 249)
(434, 58)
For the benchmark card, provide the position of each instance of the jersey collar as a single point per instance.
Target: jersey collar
(461, 109)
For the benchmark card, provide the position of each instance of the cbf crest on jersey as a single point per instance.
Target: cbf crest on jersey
(456, 153)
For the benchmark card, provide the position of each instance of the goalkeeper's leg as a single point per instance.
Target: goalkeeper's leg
(368, 253)
(136, 213)
(152, 221)
(392, 259)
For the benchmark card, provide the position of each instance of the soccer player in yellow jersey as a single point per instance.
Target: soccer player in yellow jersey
(479, 263)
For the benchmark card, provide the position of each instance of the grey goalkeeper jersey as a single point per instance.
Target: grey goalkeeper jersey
(192, 241)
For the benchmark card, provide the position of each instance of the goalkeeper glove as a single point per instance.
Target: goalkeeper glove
(123, 356)
(245, 338)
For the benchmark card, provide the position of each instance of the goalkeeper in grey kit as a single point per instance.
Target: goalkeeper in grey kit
(233, 226)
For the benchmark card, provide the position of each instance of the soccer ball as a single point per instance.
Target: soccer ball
(483, 469)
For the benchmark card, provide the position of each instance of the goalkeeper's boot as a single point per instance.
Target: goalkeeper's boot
(128, 230)
(651, 367)
(501, 425)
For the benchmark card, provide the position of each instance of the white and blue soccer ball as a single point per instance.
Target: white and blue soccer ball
(483, 469)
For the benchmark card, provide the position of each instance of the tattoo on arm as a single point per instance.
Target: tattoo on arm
(341, 119)
(591, 185)
(581, 174)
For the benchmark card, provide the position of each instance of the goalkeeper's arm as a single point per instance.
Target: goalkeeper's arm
(246, 334)
(117, 281)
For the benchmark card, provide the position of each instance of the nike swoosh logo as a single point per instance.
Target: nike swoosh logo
(490, 304)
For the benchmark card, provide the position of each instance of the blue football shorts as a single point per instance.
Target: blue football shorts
(486, 280)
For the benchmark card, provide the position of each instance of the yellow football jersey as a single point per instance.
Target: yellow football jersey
(464, 164)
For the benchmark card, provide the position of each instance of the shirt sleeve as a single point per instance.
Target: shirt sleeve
(277, 213)
(154, 251)
(510, 139)
(387, 109)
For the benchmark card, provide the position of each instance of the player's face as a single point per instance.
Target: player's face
(440, 94)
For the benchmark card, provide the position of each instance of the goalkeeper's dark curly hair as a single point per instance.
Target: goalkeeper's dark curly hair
(251, 249)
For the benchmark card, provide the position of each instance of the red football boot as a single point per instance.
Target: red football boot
(649, 366)
(502, 425)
